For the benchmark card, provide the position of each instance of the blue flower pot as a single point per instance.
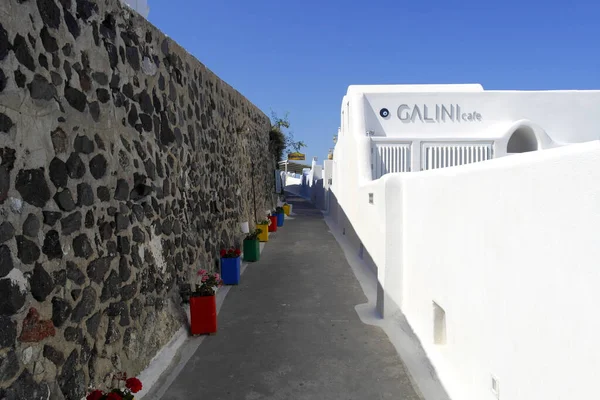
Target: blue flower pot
(280, 218)
(230, 270)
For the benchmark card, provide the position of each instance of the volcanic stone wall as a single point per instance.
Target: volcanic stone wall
(125, 164)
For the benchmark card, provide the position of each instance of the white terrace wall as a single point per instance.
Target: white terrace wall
(507, 248)
(314, 185)
(293, 184)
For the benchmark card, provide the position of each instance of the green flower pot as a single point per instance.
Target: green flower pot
(251, 250)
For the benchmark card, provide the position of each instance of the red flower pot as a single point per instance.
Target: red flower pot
(203, 313)
(273, 226)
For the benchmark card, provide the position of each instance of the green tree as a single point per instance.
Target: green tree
(279, 139)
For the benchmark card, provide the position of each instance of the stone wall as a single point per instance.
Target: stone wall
(125, 165)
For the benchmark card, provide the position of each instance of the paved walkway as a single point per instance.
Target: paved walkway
(290, 330)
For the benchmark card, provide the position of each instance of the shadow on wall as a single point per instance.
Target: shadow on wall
(317, 195)
(314, 191)
(522, 140)
(385, 305)
(295, 189)
(409, 347)
(337, 214)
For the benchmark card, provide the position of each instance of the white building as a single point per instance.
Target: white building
(493, 264)
(419, 127)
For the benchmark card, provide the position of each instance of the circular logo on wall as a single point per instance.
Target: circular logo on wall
(384, 112)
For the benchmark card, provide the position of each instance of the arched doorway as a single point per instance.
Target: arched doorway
(522, 140)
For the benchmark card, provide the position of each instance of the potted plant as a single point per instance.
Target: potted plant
(263, 225)
(280, 216)
(273, 222)
(287, 208)
(230, 266)
(203, 304)
(124, 390)
(252, 246)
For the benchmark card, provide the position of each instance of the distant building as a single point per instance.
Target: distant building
(141, 6)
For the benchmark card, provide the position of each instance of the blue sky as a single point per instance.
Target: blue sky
(300, 56)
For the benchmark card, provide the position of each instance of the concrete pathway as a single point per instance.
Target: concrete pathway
(290, 330)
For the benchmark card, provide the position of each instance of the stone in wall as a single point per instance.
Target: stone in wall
(125, 164)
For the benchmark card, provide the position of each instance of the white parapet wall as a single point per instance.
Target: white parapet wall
(494, 263)
(313, 184)
(293, 184)
(508, 251)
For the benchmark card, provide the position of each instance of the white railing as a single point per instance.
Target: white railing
(389, 158)
(442, 155)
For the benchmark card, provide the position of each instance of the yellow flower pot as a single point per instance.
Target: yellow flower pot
(264, 234)
(286, 209)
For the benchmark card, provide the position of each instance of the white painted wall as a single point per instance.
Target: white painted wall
(327, 173)
(327, 179)
(310, 185)
(507, 247)
(564, 115)
(414, 118)
(293, 184)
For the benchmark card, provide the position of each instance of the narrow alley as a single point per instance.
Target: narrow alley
(290, 330)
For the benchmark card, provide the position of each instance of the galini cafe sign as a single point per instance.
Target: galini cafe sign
(437, 113)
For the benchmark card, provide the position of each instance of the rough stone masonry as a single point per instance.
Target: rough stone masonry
(125, 165)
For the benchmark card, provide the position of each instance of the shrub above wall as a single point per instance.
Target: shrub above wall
(124, 166)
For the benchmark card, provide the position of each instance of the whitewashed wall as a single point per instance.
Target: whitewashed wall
(564, 115)
(293, 184)
(509, 249)
(327, 180)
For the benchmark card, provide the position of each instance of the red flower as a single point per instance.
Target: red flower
(133, 384)
(238, 252)
(223, 252)
(95, 395)
(114, 396)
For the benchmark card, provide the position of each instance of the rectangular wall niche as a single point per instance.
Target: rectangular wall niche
(439, 324)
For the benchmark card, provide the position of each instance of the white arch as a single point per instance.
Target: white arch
(523, 128)
(522, 140)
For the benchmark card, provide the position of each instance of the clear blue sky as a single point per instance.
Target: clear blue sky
(300, 56)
